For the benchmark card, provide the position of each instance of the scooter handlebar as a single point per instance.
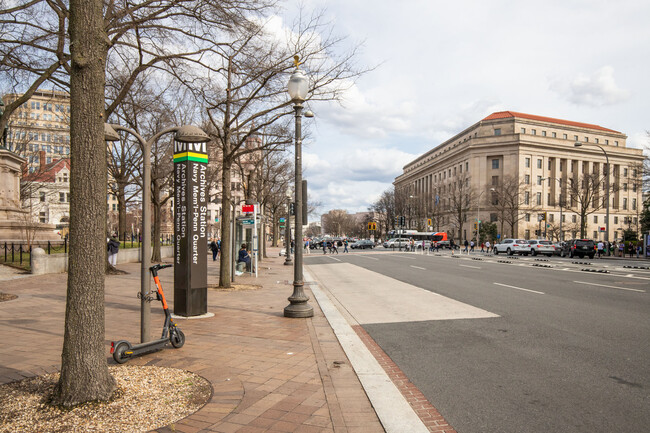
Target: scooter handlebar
(159, 266)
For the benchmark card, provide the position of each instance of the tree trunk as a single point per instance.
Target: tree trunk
(226, 234)
(276, 227)
(121, 208)
(84, 371)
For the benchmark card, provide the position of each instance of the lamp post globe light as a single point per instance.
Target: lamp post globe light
(579, 144)
(185, 134)
(298, 307)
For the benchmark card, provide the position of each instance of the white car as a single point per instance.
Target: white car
(541, 246)
(396, 243)
(512, 246)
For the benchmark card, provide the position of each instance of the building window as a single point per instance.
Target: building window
(573, 218)
(563, 218)
(565, 136)
(575, 138)
(467, 166)
(495, 180)
(543, 133)
(550, 162)
(533, 131)
(526, 197)
(625, 172)
(596, 141)
(523, 130)
(495, 163)
(615, 220)
(633, 204)
(61, 197)
(551, 217)
(539, 198)
(554, 134)
(497, 131)
(527, 162)
(616, 143)
(625, 187)
(539, 163)
(493, 217)
(539, 180)
(586, 139)
(548, 198)
(527, 179)
(606, 142)
(527, 217)
(595, 219)
(42, 196)
(114, 206)
(625, 204)
(527, 234)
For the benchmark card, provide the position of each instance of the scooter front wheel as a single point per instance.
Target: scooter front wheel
(119, 354)
(177, 338)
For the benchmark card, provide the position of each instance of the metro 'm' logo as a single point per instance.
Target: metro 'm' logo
(190, 147)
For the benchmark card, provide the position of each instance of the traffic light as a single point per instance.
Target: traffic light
(429, 222)
(402, 221)
(372, 226)
(538, 232)
(292, 209)
(475, 226)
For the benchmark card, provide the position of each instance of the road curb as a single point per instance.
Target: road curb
(393, 410)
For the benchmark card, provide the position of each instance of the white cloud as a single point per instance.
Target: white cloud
(597, 90)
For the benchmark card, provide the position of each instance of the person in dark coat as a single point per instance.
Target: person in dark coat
(113, 247)
(215, 250)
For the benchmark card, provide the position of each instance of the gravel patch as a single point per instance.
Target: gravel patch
(146, 398)
(236, 287)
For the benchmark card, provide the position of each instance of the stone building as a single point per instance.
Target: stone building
(535, 157)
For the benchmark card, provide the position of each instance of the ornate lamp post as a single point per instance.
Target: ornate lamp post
(578, 144)
(287, 231)
(186, 134)
(298, 87)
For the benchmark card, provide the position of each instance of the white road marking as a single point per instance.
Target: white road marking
(611, 287)
(367, 257)
(410, 258)
(468, 266)
(417, 267)
(333, 258)
(520, 288)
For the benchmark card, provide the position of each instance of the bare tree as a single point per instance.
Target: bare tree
(84, 371)
(384, 207)
(461, 198)
(246, 95)
(585, 197)
(507, 199)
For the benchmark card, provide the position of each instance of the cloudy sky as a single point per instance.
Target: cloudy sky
(443, 66)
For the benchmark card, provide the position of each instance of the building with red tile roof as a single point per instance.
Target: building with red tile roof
(535, 160)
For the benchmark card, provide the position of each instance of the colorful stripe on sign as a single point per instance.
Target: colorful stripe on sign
(190, 156)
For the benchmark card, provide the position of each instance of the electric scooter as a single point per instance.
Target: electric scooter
(123, 350)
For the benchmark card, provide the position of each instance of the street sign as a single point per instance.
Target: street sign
(281, 220)
(247, 208)
(602, 229)
(248, 222)
(498, 236)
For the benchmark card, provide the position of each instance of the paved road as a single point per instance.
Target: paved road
(507, 347)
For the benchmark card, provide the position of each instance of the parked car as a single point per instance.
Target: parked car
(363, 244)
(512, 246)
(396, 243)
(579, 247)
(558, 248)
(541, 246)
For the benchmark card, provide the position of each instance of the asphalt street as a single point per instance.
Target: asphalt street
(510, 345)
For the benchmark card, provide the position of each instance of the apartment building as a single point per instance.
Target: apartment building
(540, 155)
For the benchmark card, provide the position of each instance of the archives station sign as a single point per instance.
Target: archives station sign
(190, 229)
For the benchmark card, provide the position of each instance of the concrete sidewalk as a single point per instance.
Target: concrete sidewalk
(268, 372)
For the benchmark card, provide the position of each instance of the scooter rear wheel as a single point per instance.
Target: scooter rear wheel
(177, 338)
(119, 355)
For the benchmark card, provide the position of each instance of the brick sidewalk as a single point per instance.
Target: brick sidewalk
(268, 373)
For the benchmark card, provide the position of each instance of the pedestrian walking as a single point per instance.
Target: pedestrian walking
(482, 247)
(307, 246)
(621, 249)
(345, 246)
(631, 249)
(471, 246)
(600, 246)
(293, 245)
(324, 247)
(466, 245)
(112, 247)
(334, 248)
(487, 246)
(215, 250)
(638, 251)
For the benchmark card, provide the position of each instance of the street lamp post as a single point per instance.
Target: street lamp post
(186, 134)
(298, 87)
(578, 144)
(478, 222)
(287, 236)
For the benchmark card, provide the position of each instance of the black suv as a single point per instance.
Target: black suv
(578, 247)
